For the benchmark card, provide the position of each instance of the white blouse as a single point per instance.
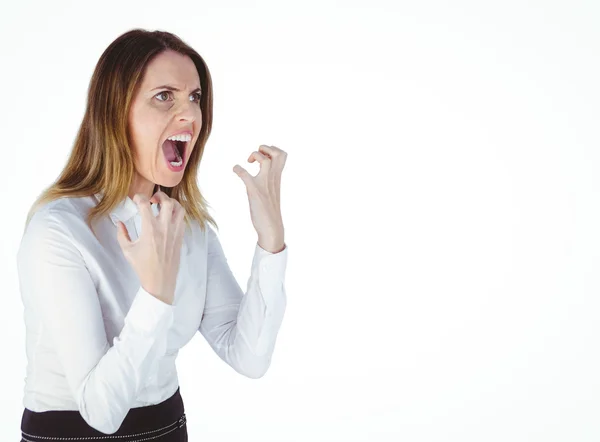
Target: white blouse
(97, 342)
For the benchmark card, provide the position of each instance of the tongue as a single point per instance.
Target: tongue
(170, 151)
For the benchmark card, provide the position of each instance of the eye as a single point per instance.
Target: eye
(197, 94)
(161, 93)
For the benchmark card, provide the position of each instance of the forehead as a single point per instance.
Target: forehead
(172, 68)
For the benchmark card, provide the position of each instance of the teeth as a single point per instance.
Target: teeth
(182, 137)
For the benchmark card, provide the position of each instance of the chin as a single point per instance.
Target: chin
(170, 182)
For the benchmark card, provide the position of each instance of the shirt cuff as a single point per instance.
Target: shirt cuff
(149, 315)
(269, 268)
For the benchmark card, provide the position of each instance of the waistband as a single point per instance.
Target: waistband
(162, 422)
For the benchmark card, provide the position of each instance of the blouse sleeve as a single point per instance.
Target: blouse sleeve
(55, 282)
(242, 327)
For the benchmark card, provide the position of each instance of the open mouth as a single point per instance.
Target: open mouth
(174, 151)
(180, 146)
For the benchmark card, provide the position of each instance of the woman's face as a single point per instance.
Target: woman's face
(157, 113)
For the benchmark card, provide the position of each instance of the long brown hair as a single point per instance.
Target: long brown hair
(102, 159)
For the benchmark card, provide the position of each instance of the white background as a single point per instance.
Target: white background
(440, 202)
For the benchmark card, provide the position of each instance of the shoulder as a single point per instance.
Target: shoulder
(61, 219)
(66, 212)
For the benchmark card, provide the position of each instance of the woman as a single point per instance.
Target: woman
(117, 274)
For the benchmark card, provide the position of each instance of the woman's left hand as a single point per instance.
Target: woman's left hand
(263, 195)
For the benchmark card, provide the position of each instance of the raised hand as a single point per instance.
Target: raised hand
(264, 196)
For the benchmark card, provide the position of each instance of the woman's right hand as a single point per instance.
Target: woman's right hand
(155, 255)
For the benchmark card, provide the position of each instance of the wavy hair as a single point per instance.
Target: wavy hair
(102, 158)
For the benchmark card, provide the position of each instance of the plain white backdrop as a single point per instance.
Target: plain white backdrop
(440, 202)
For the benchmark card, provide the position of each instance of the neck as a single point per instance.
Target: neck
(144, 187)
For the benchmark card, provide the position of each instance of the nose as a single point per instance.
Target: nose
(188, 111)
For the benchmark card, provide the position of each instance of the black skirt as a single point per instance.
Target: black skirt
(163, 422)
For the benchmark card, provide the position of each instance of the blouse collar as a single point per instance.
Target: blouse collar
(126, 209)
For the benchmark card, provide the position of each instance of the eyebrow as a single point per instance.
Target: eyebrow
(171, 88)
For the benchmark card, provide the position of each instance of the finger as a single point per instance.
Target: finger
(276, 154)
(123, 235)
(159, 197)
(145, 209)
(178, 212)
(180, 227)
(181, 235)
(257, 156)
(271, 151)
(166, 206)
(265, 163)
(243, 174)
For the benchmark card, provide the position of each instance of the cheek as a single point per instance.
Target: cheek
(146, 131)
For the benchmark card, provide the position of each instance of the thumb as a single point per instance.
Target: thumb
(123, 235)
(242, 173)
